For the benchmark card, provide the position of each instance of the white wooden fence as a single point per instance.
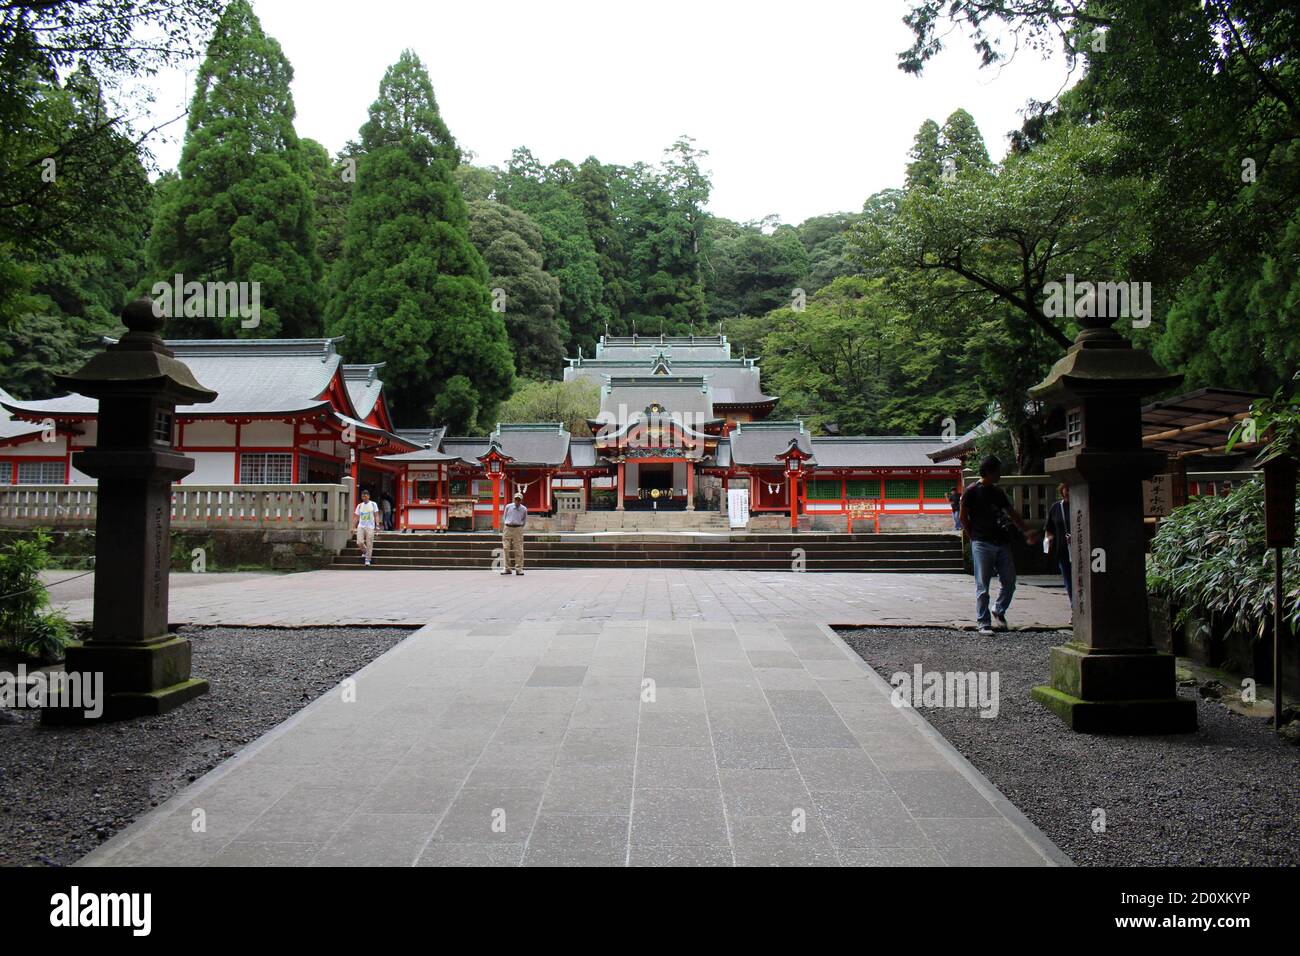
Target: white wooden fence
(193, 506)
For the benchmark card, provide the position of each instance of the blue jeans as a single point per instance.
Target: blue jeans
(956, 520)
(990, 558)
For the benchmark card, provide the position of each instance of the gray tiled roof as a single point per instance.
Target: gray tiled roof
(689, 399)
(364, 386)
(758, 443)
(419, 455)
(734, 382)
(865, 451)
(249, 376)
(427, 437)
(466, 449)
(542, 443)
(646, 347)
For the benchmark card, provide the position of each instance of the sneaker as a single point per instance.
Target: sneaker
(985, 631)
(999, 621)
(506, 573)
(520, 573)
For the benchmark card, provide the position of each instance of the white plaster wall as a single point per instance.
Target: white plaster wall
(213, 434)
(35, 448)
(211, 468)
(263, 434)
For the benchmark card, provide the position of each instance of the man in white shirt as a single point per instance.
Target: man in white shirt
(365, 512)
(512, 534)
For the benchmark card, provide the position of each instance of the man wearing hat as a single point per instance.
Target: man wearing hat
(512, 534)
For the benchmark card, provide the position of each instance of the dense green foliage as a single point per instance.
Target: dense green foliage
(1174, 160)
(410, 289)
(243, 208)
(1209, 559)
(525, 293)
(571, 403)
(74, 197)
(27, 624)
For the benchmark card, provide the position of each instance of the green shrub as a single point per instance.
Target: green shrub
(1208, 560)
(27, 624)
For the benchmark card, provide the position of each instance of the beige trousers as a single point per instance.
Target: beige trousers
(366, 540)
(512, 544)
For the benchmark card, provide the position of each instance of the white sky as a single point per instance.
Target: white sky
(801, 105)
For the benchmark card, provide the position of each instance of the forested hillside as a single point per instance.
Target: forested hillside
(1172, 161)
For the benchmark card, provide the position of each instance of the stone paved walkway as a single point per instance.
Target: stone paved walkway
(458, 597)
(509, 740)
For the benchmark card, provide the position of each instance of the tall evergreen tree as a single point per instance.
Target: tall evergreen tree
(962, 143)
(569, 253)
(410, 289)
(926, 157)
(511, 245)
(242, 210)
(591, 187)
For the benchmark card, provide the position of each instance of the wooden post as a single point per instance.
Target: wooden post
(618, 505)
(690, 485)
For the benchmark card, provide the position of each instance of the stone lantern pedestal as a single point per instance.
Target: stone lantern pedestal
(138, 382)
(1109, 678)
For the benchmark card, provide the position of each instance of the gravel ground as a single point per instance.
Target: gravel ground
(63, 791)
(1223, 796)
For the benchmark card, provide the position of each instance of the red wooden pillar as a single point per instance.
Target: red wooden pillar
(690, 485)
(793, 494)
(586, 492)
(496, 501)
(619, 503)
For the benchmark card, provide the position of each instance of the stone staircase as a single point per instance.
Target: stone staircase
(649, 521)
(926, 553)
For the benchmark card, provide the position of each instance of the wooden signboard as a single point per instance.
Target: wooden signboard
(867, 509)
(1158, 496)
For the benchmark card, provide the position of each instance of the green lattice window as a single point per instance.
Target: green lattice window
(902, 489)
(824, 489)
(869, 488)
(936, 489)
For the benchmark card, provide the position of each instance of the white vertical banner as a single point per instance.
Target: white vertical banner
(738, 507)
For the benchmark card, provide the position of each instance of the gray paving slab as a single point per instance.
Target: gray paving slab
(464, 746)
(580, 601)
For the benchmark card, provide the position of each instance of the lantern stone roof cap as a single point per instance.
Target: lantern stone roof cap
(1102, 361)
(140, 363)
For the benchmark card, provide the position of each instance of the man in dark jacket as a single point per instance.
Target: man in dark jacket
(1058, 535)
(990, 522)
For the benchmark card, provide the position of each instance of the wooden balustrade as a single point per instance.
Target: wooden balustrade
(325, 507)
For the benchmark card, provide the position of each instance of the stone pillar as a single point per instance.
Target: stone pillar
(1109, 678)
(138, 381)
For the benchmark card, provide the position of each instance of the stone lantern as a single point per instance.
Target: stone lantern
(495, 461)
(1109, 678)
(138, 382)
(793, 461)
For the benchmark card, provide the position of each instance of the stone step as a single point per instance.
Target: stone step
(922, 552)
